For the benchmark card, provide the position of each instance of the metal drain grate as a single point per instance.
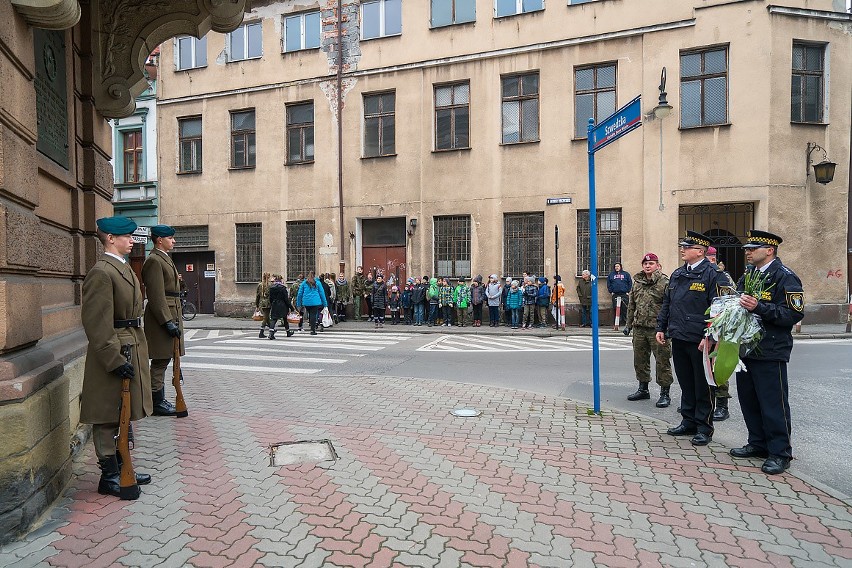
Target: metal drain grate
(307, 451)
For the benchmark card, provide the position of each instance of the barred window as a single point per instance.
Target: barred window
(189, 133)
(452, 116)
(452, 245)
(704, 87)
(520, 108)
(609, 240)
(301, 248)
(243, 147)
(300, 133)
(594, 97)
(379, 125)
(192, 237)
(523, 243)
(808, 83)
(249, 252)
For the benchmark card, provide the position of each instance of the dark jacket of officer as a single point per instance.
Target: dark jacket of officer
(683, 314)
(162, 287)
(781, 307)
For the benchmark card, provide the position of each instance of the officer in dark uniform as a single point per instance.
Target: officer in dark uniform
(762, 387)
(682, 317)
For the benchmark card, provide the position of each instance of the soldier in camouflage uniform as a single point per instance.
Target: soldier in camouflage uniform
(722, 392)
(358, 286)
(645, 300)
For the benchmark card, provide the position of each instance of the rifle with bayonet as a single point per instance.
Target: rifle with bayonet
(127, 479)
(177, 380)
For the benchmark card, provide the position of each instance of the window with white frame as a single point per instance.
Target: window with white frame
(520, 108)
(381, 18)
(513, 7)
(808, 83)
(452, 116)
(704, 87)
(379, 124)
(449, 12)
(302, 31)
(594, 96)
(190, 52)
(245, 42)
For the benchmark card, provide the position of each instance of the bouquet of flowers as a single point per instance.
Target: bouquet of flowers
(736, 330)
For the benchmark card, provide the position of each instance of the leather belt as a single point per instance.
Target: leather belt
(173, 294)
(127, 323)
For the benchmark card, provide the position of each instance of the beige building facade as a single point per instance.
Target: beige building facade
(66, 67)
(452, 140)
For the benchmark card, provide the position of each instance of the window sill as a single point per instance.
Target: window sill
(178, 70)
(704, 126)
(305, 163)
(379, 156)
(229, 60)
(381, 37)
(240, 168)
(521, 143)
(190, 173)
(451, 150)
(453, 25)
(518, 14)
(797, 123)
(298, 51)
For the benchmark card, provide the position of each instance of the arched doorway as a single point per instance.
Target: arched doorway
(727, 225)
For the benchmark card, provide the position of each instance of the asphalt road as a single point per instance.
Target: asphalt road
(820, 378)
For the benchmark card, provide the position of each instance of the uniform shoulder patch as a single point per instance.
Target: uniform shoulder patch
(796, 300)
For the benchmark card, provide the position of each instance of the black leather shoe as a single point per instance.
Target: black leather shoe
(681, 430)
(749, 451)
(641, 393)
(775, 465)
(290, 333)
(701, 439)
(164, 408)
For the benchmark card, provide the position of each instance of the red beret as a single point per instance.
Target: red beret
(650, 257)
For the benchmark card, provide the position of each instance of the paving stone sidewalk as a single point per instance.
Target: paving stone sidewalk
(533, 481)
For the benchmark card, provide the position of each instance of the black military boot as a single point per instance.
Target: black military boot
(641, 394)
(162, 407)
(109, 483)
(665, 400)
(271, 334)
(721, 412)
(262, 335)
(141, 478)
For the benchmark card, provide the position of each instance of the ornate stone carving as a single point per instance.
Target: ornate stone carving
(49, 14)
(125, 32)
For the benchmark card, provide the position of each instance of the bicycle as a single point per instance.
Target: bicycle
(188, 311)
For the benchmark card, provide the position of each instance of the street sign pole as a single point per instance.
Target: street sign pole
(593, 268)
(624, 120)
(555, 288)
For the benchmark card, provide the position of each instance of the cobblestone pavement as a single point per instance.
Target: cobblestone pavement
(533, 481)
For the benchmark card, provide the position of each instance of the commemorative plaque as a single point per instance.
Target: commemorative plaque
(51, 95)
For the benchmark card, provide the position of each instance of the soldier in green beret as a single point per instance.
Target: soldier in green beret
(162, 313)
(111, 312)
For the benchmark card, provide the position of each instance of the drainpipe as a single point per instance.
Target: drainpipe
(340, 133)
(849, 232)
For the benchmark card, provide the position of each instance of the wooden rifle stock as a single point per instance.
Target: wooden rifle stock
(127, 478)
(177, 376)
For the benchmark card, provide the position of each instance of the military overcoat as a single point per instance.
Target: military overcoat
(112, 292)
(161, 279)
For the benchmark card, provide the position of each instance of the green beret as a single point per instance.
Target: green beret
(116, 225)
(162, 231)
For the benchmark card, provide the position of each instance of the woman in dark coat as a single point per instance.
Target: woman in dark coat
(280, 305)
(380, 299)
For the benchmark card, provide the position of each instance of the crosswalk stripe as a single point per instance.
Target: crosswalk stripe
(269, 350)
(247, 369)
(202, 354)
(314, 343)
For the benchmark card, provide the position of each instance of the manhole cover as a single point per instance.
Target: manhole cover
(465, 412)
(290, 453)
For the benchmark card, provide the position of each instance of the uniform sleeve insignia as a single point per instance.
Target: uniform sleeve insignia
(796, 300)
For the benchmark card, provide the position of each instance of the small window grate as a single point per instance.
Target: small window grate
(195, 237)
(301, 248)
(452, 246)
(249, 252)
(523, 243)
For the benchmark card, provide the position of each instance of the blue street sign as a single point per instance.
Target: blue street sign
(622, 121)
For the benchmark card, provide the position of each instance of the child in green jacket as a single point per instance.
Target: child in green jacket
(461, 297)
